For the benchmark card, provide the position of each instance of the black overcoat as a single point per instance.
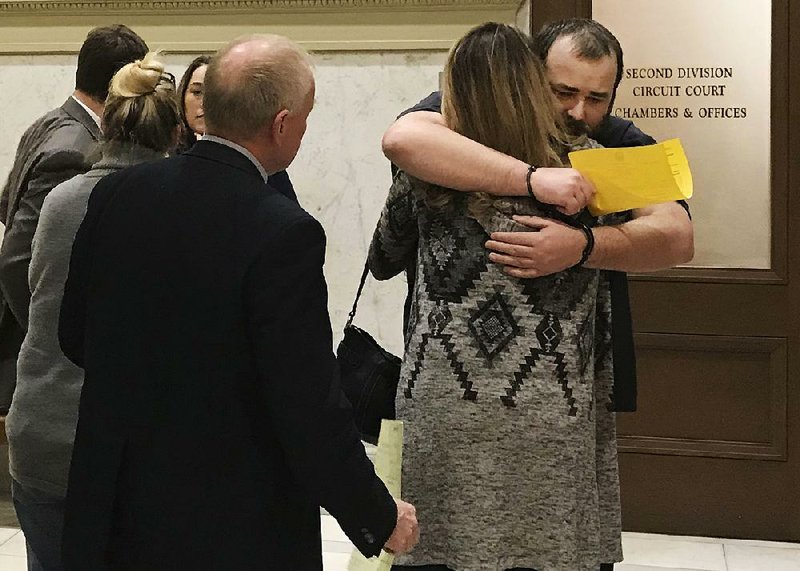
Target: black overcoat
(212, 425)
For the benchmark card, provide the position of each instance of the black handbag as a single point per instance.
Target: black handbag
(369, 375)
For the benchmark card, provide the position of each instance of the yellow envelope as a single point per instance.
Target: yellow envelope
(388, 467)
(635, 177)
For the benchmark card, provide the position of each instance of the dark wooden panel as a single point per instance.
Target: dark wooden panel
(706, 308)
(709, 497)
(543, 11)
(719, 275)
(710, 396)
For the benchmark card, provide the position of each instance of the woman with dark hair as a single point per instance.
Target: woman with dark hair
(140, 123)
(510, 451)
(193, 126)
(190, 97)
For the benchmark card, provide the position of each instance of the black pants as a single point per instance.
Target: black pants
(603, 567)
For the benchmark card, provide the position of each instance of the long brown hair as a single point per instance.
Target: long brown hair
(495, 92)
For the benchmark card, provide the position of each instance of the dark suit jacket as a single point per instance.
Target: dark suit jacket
(58, 146)
(212, 425)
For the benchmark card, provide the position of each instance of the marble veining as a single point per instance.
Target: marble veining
(340, 174)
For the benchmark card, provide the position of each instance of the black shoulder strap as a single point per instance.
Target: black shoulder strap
(358, 294)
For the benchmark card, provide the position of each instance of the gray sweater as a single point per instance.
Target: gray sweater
(44, 412)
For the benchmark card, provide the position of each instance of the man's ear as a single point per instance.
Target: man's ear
(279, 123)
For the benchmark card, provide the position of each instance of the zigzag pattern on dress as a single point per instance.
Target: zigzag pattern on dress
(558, 294)
(419, 358)
(458, 367)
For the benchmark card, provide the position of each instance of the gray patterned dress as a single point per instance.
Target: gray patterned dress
(510, 454)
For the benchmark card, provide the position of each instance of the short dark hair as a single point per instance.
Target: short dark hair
(188, 137)
(102, 54)
(591, 39)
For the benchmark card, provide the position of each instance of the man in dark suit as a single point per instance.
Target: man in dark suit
(58, 146)
(212, 425)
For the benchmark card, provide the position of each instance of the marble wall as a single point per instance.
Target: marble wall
(340, 173)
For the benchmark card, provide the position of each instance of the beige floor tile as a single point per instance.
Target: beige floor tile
(664, 537)
(337, 547)
(7, 533)
(625, 567)
(658, 552)
(14, 546)
(750, 558)
(13, 563)
(761, 543)
(335, 561)
(720, 540)
(331, 530)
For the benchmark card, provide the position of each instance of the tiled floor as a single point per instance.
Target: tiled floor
(643, 552)
(12, 550)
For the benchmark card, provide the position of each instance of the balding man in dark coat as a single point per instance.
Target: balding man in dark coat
(212, 425)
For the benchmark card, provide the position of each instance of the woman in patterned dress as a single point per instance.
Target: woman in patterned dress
(510, 453)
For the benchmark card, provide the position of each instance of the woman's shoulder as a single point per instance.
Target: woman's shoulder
(69, 192)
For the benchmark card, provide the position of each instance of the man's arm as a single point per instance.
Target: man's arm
(15, 253)
(422, 145)
(658, 237)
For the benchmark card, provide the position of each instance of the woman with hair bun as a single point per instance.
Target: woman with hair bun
(140, 123)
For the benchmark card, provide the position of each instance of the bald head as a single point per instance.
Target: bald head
(250, 81)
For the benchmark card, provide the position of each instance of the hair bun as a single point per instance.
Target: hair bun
(138, 78)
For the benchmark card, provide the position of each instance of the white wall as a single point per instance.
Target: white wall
(340, 174)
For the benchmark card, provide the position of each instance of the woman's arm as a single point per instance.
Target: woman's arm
(395, 239)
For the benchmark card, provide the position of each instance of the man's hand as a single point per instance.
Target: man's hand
(553, 248)
(406, 534)
(564, 188)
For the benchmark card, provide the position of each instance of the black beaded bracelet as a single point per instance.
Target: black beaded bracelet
(531, 170)
(587, 250)
(553, 213)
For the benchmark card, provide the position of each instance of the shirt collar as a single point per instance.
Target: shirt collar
(95, 117)
(241, 149)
